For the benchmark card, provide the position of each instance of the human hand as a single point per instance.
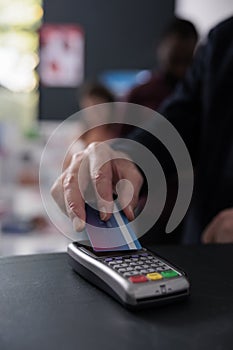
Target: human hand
(85, 168)
(220, 229)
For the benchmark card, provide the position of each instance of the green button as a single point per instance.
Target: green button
(169, 273)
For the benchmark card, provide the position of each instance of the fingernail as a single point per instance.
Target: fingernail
(103, 213)
(130, 208)
(78, 224)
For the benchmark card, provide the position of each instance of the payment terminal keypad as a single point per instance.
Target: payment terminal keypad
(140, 268)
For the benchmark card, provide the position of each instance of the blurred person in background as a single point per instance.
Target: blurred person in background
(174, 55)
(89, 95)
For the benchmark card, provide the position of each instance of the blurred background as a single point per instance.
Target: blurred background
(49, 53)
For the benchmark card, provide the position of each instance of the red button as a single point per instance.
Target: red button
(138, 279)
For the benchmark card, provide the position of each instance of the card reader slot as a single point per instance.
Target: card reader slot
(163, 296)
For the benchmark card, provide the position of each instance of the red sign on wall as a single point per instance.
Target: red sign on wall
(61, 55)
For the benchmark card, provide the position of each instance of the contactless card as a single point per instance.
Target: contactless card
(113, 235)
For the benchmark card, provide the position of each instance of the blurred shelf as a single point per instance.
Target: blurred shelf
(33, 243)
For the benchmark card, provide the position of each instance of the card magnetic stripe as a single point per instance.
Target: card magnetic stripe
(127, 231)
(99, 233)
(123, 230)
(132, 233)
(124, 234)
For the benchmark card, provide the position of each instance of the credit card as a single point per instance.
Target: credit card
(116, 234)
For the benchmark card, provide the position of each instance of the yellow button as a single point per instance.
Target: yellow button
(154, 276)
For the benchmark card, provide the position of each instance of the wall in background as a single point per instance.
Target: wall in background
(204, 14)
(118, 35)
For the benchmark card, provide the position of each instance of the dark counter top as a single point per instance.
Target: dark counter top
(45, 305)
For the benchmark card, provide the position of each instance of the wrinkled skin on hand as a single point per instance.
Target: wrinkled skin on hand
(104, 168)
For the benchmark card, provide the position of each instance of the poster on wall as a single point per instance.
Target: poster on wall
(61, 55)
